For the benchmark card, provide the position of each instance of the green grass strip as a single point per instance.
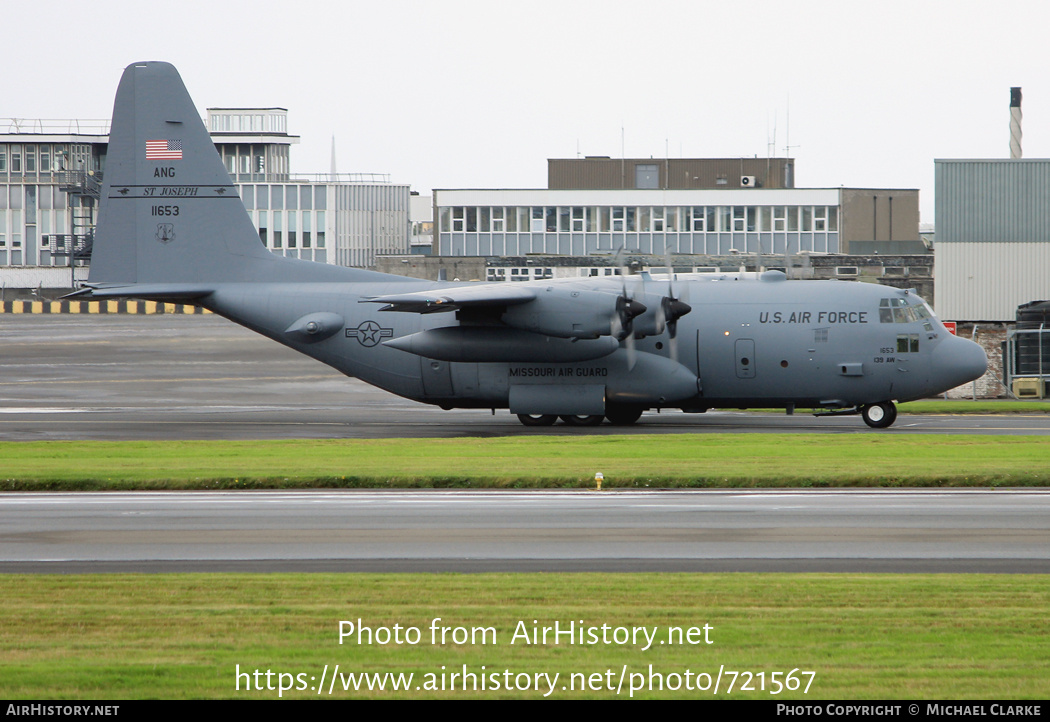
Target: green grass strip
(661, 460)
(984, 408)
(864, 636)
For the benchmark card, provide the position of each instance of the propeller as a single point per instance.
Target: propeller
(627, 309)
(671, 309)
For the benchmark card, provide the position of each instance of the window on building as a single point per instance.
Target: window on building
(739, 216)
(472, 219)
(820, 218)
(459, 219)
(319, 236)
(765, 214)
(779, 218)
(578, 214)
(671, 218)
(16, 227)
(725, 219)
(16, 159)
(658, 220)
(263, 226)
(278, 237)
(497, 220)
(292, 240)
(833, 219)
(697, 219)
(306, 228)
(631, 219)
(552, 219)
(564, 220)
(537, 220)
(807, 219)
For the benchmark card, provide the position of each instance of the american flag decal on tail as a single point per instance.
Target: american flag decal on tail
(163, 150)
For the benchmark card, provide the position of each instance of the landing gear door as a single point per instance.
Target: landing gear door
(437, 378)
(745, 358)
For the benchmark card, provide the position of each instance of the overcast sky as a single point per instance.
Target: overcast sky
(473, 94)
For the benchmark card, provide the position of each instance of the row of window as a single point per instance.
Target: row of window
(31, 197)
(43, 158)
(253, 160)
(247, 122)
(640, 219)
(16, 224)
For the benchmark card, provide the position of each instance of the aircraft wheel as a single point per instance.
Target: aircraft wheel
(879, 416)
(622, 414)
(583, 420)
(537, 419)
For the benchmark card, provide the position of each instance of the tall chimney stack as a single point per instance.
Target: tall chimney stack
(1015, 123)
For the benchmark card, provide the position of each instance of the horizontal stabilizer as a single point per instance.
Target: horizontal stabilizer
(151, 291)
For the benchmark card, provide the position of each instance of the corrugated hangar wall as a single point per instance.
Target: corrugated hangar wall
(371, 220)
(992, 251)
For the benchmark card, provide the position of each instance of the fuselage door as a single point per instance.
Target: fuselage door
(745, 358)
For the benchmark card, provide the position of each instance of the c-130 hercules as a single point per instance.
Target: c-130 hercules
(172, 228)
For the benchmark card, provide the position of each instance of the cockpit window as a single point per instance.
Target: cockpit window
(897, 310)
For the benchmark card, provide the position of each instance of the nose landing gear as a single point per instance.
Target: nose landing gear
(879, 416)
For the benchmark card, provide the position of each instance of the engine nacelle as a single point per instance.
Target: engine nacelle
(566, 313)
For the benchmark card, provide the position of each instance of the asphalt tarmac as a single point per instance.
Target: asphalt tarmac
(197, 377)
(201, 377)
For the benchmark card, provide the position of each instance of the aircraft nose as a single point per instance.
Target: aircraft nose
(957, 361)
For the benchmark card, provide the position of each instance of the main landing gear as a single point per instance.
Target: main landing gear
(618, 415)
(879, 416)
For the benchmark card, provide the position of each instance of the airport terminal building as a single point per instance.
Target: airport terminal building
(50, 175)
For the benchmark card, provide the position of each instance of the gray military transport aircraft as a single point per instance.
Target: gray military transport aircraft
(172, 228)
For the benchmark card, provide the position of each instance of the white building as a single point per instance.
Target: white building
(50, 173)
(583, 222)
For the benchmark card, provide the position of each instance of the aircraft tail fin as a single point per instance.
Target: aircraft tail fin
(169, 213)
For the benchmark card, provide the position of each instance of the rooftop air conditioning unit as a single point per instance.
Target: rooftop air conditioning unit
(748, 181)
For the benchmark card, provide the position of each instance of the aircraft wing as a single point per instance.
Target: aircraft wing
(455, 298)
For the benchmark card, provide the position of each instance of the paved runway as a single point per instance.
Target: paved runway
(905, 531)
(196, 377)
